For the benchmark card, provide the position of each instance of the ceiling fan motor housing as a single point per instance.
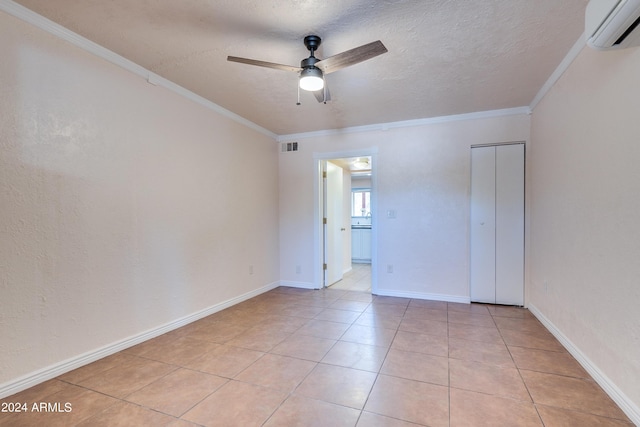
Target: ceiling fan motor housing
(309, 62)
(312, 43)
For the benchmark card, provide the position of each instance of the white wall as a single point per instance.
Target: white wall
(361, 182)
(123, 206)
(585, 210)
(423, 174)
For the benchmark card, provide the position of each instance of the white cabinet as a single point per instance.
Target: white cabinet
(361, 244)
(497, 224)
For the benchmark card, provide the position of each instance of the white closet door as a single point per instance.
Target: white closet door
(510, 224)
(483, 220)
(497, 224)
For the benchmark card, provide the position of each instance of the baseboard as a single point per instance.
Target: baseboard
(420, 295)
(45, 374)
(302, 285)
(628, 407)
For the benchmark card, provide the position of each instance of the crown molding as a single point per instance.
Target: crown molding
(63, 33)
(559, 71)
(408, 123)
(77, 40)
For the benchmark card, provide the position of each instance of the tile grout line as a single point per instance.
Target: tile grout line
(519, 371)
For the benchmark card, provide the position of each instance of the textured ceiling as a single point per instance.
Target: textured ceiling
(445, 56)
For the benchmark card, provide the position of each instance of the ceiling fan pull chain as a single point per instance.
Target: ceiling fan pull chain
(298, 103)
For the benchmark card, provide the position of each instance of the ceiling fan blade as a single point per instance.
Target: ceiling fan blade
(323, 94)
(351, 57)
(264, 64)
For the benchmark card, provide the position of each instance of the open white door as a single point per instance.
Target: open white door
(333, 227)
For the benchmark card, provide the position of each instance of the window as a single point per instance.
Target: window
(361, 202)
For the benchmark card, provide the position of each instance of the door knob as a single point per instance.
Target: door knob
(342, 229)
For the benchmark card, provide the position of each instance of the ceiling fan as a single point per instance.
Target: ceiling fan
(312, 70)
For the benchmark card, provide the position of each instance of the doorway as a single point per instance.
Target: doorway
(333, 218)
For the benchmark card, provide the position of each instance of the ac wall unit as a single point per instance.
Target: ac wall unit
(612, 24)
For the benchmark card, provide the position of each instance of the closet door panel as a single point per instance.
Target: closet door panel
(510, 224)
(483, 256)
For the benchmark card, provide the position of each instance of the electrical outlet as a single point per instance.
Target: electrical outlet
(389, 268)
(546, 286)
(298, 269)
(251, 269)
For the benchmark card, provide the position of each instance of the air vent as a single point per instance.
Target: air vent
(289, 146)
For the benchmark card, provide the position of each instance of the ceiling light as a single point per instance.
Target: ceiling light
(311, 79)
(362, 163)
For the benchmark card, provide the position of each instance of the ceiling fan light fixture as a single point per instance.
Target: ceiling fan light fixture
(311, 79)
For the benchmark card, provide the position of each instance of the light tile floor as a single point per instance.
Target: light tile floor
(293, 357)
(358, 279)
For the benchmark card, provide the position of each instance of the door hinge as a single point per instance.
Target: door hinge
(324, 174)
(324, 220)
(324, 266)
